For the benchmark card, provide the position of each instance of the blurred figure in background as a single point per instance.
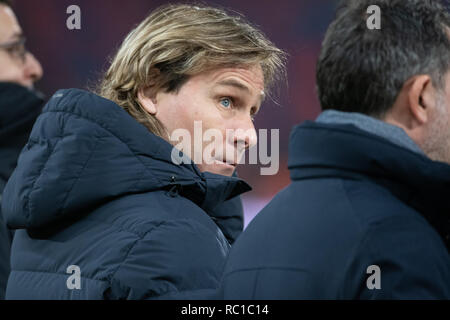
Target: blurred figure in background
(19, 108)
(367, 215)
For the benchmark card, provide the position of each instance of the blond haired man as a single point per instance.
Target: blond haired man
(102, 209)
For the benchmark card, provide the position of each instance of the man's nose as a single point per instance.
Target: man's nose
(246, 134)
(32, 68)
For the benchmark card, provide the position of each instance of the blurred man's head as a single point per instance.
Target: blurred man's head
(186, 63)
(16, 63)
(399, 73)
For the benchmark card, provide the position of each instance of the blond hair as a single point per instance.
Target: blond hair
(178, 41)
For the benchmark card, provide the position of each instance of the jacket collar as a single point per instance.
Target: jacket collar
(372, 125)
(19, 108)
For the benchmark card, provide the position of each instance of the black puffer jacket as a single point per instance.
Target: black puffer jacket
(19, 108)
(95, 189)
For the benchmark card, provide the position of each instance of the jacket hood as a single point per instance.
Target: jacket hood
(320, 150)
(84, 151)
(19, 108)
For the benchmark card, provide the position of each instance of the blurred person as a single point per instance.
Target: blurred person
(19, 107)
(367, 215)
(102, 210)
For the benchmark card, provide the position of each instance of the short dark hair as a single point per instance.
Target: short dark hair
(363, 70)
(6, 2)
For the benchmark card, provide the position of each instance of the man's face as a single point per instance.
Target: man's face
(224, 99)
(14, 67)
(437, 142)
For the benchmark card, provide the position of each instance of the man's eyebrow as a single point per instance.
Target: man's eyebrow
(234, 83)
(239, 85)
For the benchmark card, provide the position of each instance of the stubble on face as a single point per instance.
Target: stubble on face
(437, 144)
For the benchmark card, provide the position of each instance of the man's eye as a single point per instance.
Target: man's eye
(226, 102)
(253, 113)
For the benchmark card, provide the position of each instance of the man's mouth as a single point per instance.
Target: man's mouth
(230, 163)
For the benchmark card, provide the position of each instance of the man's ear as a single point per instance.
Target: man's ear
(421, 97)
(147, 99)
(147, 95)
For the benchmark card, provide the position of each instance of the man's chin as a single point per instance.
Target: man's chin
(218, 167)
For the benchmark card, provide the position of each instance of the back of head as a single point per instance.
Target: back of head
(363, 70)
(176, 42)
